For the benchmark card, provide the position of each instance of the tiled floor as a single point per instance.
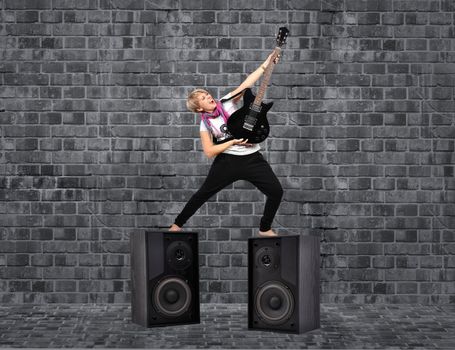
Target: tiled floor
(225, 326)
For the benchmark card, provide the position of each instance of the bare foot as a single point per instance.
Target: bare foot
(175, 228)
(269, 233)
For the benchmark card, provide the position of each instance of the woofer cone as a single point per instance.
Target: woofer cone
(274, 303)
(172, 297)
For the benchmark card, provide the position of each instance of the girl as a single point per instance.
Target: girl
(236, 159)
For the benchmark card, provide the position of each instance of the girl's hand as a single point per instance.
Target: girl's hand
(239, 141)
(267, 61)
(242, 142)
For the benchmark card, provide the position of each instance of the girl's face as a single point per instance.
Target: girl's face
(206, 102)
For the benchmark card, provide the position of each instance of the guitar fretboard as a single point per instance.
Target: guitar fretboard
(265, 80)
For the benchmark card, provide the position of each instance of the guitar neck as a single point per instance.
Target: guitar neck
(265, 80)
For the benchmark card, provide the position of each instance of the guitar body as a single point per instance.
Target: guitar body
(250, 122)
(236, 122)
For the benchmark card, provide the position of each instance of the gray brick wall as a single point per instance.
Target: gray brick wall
(96, 142)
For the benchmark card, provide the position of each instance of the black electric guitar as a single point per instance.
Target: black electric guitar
(250, 121)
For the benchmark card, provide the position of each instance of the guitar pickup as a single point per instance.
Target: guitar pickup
(248, 126)
(255, 108)
(250, 121)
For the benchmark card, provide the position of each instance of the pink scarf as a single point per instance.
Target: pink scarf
(216, 113)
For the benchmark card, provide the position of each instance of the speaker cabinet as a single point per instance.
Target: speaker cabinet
(283, 283)
(164, 278)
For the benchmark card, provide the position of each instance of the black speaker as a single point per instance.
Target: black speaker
(164, 278)
(283, 283)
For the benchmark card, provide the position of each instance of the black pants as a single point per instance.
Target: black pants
(226, 169)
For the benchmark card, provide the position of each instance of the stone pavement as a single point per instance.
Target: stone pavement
(225, 326)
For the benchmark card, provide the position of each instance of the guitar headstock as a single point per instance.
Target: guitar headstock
(282, 35)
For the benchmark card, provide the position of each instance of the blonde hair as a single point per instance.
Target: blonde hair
(191, 100)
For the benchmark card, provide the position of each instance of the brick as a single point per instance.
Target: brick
(24, 4)
(359, 262)
(218, 261)
(27, 17)
(407, 262)
(418, 5)
(17, 260)
(238, 273)
(407, 288)
(365, 5)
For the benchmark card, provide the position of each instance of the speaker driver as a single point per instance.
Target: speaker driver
(267, 258)
(274, 303)
(179, 255)
(172, 297)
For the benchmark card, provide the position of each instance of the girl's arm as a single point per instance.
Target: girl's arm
(253, 77)
(211, 150)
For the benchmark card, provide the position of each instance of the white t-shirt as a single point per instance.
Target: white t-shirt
(220, 129)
